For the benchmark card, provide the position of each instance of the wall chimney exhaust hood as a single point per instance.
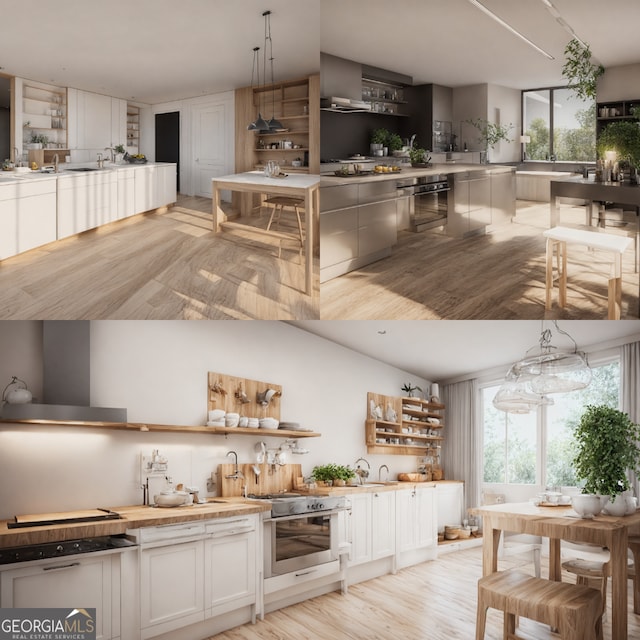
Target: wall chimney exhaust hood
(344, 105)
(66, 380)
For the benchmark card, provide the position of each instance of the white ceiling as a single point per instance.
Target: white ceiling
(161, 50)
(155, 50)
(451, 42)
(439, 350)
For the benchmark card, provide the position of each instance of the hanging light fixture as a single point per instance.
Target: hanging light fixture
(549, 370)
(260, 124)
(274, 124)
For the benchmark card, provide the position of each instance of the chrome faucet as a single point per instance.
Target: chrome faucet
(55, 161)
(413, 138)
(100, 161)
(111, 153)
(382, 466)
(363, 474)
(236, 473)
(16, 162)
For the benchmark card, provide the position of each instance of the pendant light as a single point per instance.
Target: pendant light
(274, 124)
(549, 370)
(260, 124)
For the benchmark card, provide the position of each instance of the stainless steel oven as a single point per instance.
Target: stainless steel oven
(295, 540)
(427, 200)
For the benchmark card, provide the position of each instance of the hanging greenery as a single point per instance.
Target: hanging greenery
(582, 75)
(490, 132)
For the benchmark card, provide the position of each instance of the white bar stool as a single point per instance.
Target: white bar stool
(557, 240)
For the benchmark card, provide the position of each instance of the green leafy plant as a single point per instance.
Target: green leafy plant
(39, 138)
(394, 142)
(409, 388)
(623, 137)
(581, 74)
(418, 156)
(330, 472)
(607, 447)
(380, 136)
(490, 132)
(119, 148)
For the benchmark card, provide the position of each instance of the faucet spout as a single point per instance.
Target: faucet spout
(382, 466)
(56, 161)
(363, 474)
(236, 473)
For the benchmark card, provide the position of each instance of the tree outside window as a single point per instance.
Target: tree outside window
(559, 125)
(511, 441)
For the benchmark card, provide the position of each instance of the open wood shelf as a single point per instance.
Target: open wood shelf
(171, 428)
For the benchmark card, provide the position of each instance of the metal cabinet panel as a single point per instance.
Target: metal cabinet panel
(503, 197)
(377, 227)
(339, 233)
(338, 197)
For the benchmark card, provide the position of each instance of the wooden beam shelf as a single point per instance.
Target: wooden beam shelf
(172, 428)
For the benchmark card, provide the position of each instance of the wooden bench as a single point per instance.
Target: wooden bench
(576, 611)
(557, 240)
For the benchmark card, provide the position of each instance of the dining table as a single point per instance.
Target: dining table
(305, 186)
(557, 523)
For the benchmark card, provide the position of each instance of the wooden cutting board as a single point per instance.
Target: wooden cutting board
(66, 517)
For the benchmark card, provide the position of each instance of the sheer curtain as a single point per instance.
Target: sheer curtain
(630, 364)
(462, 450)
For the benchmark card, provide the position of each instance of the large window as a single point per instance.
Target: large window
(537, 447)
(561, 126)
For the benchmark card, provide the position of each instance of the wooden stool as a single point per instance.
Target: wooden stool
(557, 240)
(279, 204)
(588, 572)
(573, 609)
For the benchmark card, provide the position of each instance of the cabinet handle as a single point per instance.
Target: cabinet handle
(61, 566)
(305, 573)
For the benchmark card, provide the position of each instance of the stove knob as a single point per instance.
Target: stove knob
(16, 555)
(76, 545)
(40, 554)
(59, 548)
(320, 506)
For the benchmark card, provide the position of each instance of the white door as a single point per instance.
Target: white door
(211, 144)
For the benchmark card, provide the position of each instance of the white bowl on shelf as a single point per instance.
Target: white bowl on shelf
(268, 423)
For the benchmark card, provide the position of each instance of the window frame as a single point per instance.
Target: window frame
(541, 430)
(552, 152)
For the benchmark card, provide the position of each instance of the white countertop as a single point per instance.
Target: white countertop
(13, 177)
(296, 180)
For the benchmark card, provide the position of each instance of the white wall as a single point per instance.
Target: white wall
(619, 83)
(158, 370)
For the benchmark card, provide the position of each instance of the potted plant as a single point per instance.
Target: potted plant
(379, 139)
(419, 157)
(37, 141)
(119, 152)
(582, 75)
(394, 142)
(332, 474)
(490, 133)
(606, 448)
(410, 389)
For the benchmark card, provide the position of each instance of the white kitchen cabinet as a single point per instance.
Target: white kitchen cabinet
(126, 193)
(155, 186)
(165, 184)
(372, 526)
(416, 518)
(230, 566)
(97, 121)
(86, 201)
(118, 122)
(88, 581)
(171, 587)
(27, 215)
(450, 503)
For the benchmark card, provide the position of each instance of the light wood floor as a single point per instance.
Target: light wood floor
(431, 601)
(157, 266)
(500, 275)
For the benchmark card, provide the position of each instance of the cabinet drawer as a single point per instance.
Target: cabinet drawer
(338, 237)
(376, 191)
(377, 227)
(338, 197)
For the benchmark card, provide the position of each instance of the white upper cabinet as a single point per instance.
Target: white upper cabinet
(96, 121)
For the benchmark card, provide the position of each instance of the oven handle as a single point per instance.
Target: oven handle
(306, 514)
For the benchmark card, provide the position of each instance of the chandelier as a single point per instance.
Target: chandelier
(260, 125)
(547, 370)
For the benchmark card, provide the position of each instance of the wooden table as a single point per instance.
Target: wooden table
(294, 185)
(562, 523)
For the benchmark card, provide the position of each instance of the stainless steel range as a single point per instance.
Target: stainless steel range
(300, 531)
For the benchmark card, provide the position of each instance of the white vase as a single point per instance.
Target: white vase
(617, 507)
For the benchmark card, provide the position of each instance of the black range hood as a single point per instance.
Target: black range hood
(65, 379)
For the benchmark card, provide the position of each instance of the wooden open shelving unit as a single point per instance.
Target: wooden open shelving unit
(385, 436)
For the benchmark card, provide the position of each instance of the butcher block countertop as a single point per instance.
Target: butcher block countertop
(131, 517)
